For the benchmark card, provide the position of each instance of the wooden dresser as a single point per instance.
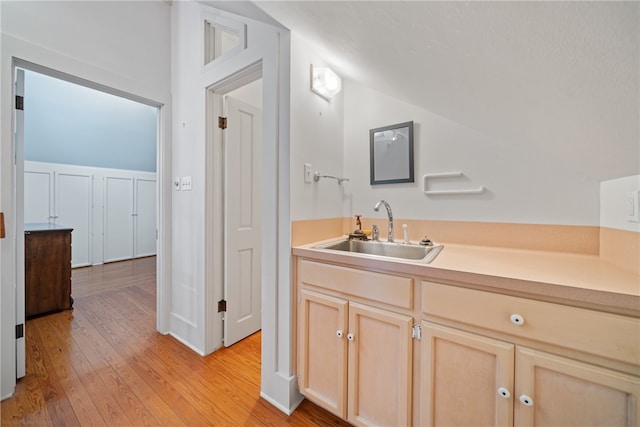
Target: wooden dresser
(47, 259)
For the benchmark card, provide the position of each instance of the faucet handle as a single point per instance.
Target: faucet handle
(426, 241)
(375, 233)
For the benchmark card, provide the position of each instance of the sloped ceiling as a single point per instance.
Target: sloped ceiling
(562, 79)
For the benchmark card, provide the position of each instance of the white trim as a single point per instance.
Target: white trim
(271, 54)
(18, 255)
(232, 26)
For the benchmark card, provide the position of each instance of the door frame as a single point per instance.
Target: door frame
(163, 204)
(214, 199)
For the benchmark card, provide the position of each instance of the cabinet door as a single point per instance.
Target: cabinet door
(466, 379)
(553, 390)
(118, 220)
(73, 209)
(380, 351)
(322, 355)
(38, 196)
(145, 215)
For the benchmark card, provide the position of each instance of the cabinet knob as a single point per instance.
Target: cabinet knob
(516, 319)
(339, 333)
(526, 400)
(350, 337)
(503, 392)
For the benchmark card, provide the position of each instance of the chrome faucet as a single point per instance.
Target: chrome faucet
(389, 214)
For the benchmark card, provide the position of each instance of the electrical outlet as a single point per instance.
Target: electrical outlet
(307, 173)
(633, 206)
(176, 183)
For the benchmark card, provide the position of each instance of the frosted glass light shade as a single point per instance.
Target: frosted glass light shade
(325, 82)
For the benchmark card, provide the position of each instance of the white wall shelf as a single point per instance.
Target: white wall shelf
(425, 185)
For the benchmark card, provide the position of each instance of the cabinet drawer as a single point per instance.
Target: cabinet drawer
(608, 335)
(386, 288)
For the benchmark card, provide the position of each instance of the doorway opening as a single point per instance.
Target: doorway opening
(234, 201)
(73, 168)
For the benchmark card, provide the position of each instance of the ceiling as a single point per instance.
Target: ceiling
(562, 79)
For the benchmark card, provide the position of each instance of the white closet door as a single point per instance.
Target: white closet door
(243, 256)
(118, 228)
(145, 218)
(73, 209)
(38, 196)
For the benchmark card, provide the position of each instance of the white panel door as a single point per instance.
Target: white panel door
(38, 196)
(73, 209)
(145, 218)
(243, 166)
(118, 219)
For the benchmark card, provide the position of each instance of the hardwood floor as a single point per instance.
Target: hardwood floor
(103, 363)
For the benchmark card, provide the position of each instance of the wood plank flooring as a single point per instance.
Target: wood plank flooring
(103, 363)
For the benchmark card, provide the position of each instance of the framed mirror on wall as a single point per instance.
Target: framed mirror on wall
(391, 151)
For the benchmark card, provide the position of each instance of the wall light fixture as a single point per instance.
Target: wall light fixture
(325, 82)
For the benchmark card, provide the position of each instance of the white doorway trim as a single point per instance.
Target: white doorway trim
(163, 203)
(214, 200)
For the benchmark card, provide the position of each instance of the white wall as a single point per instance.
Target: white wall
(120, 46)
(250, 94)
(614, 203)
(72, 124)
(522, 186)
(316, 138)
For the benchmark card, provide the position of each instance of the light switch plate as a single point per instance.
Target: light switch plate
(633, 206)
(307, 173)
(185, 183)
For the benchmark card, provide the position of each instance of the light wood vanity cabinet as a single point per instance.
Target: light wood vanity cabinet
(484, 359)
(355, 360)
(471, 379)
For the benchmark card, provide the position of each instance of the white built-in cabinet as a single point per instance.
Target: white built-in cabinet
(112, 212)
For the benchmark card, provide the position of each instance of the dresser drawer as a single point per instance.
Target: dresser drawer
(385, 288)
(603, 334)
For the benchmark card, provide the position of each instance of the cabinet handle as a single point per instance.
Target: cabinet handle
(526, 400)
(350, 337)
(503, 392)
(339, 333)
(516, 319)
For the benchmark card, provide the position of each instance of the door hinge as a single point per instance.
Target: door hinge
(222, 122)
(20, 330)
(19, 102)
(222, 306)
(416, 332)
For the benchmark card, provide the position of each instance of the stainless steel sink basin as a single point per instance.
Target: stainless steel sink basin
(412, 252)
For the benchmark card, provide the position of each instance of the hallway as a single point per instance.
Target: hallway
(103, 363)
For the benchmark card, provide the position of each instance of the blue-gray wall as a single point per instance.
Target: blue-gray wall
(71, 124)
